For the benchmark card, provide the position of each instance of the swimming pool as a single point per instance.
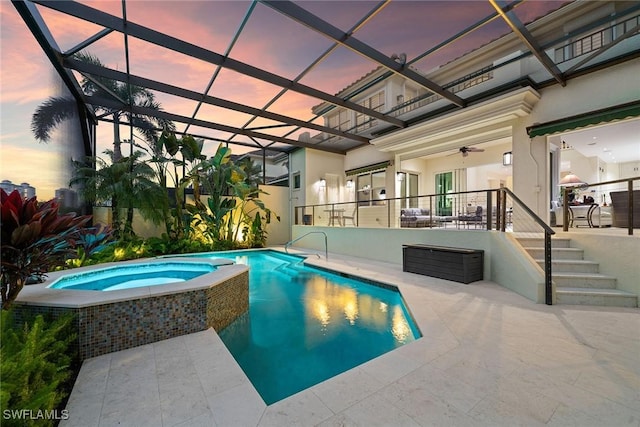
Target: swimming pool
(132, 276)
(306, 325)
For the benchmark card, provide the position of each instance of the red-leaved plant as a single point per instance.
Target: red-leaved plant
(35, 240)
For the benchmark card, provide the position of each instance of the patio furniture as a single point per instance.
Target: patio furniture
(455, 264)
(596, 216)
(335, 215)
(475, 217)
(620, 208)
(421, 217)
(580, 215)
(352, 217)
(415, 217)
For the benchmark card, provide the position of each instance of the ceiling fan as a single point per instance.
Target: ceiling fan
(466, 150)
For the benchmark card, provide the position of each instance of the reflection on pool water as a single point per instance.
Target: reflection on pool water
(132, 276)
(306, 325)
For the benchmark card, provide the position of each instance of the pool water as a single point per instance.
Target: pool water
(306, 325)
(132, 276)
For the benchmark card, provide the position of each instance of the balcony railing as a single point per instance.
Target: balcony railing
(613, 204)
(495, 209)
(595, 40)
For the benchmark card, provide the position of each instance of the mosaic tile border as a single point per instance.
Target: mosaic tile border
(105, 328)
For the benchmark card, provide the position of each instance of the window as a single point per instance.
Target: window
(296, 180)
(376, 103)
(341, 120)
(408, 189)
(371, 188)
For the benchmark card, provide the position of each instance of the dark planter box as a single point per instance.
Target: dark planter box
(455, 264)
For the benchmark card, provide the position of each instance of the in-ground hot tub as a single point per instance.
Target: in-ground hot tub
(133, 276)
(147, 301)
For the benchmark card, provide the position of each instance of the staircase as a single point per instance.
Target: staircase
(577, 280)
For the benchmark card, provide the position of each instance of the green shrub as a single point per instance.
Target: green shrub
(35, 367)
(166, 245)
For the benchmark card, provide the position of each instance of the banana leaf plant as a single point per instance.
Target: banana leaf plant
(193, 162)
(35, 239)
(233, 198)
(223, 174)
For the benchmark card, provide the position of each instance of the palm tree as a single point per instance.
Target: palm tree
(55, 110)
(128, 183)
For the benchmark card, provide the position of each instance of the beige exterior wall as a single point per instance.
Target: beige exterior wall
(142, 228)
(591, 92)
(321, 164)
(504, 261)
(277, 200)
(620, 255)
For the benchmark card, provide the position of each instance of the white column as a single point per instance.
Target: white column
(531, 170)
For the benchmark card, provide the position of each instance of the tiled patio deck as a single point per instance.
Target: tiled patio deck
(488, 357)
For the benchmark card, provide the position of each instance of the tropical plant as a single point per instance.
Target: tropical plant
(232, 198)
(91, 241)
(222, 174)
(252, 171)
(35, 240)
(193, 163)
(36, 365)
(127, 183)
(255, 233)
(56, 110)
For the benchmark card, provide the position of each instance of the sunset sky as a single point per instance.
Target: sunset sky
(269, 41)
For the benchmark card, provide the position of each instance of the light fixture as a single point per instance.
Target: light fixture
(323, 183)
(399, 176)
(383, 193)
(571, 180)
(507, 158)
(350, 183)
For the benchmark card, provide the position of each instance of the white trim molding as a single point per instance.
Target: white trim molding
(484, 122)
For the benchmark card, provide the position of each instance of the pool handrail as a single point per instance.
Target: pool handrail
(326, 246)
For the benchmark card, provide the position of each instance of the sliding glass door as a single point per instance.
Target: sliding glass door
(444, 185)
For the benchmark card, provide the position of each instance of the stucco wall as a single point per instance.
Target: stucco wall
(365, 156)
(318, 164)
(277, 200)
(618, 256)
(502, 265)
(593, 91)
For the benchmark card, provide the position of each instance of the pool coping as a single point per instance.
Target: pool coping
(41, 295)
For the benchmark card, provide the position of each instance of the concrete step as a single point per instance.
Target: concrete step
(571, 266)
(556, 253)
(538, 242)
(584, 280)
(601, 297)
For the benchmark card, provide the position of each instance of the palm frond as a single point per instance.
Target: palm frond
(49, 115)
(146, 128)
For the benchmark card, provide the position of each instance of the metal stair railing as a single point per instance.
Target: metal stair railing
(548, 231)
(326, 246)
